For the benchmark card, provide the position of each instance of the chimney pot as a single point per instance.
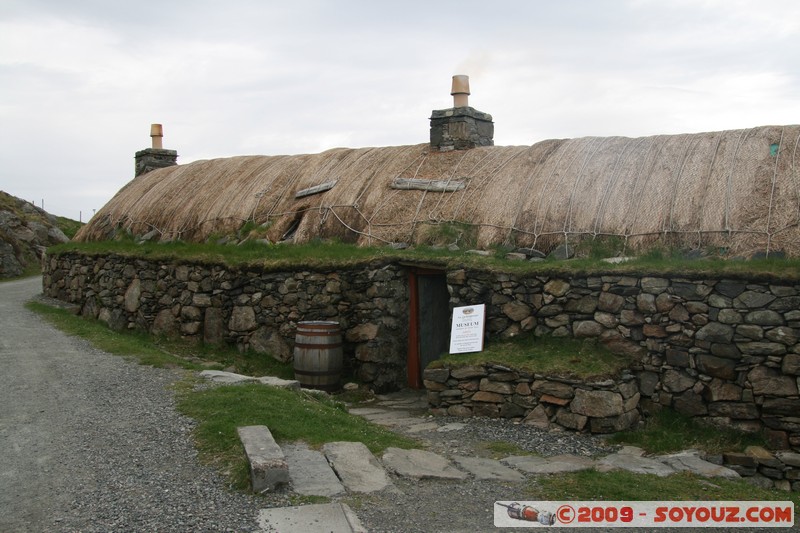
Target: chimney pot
(157, 134)
(460, 90)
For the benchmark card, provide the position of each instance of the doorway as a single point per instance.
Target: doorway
(429, 321)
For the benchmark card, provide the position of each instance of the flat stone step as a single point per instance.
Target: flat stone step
(549, 465)
(692, 462)
(318, 518)
(632, 463)
(420, 464)
(356, 467)
(488, 469)
(268, 468)
(309, 471)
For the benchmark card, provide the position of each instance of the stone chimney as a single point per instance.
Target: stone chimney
(155, 157)
(460, 127)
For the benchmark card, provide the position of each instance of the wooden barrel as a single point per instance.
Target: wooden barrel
(318, 355)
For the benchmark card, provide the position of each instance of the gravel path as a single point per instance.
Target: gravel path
(92, 442)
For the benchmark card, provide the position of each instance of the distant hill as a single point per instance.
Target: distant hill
(25, 233)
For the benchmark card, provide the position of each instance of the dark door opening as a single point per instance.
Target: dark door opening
(429, 324)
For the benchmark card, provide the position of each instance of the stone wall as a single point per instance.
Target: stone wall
(249, 308)
(726, 350)
(460, 128)
(601, 406)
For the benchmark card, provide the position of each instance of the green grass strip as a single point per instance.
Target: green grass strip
(290, 416)
(623, 485)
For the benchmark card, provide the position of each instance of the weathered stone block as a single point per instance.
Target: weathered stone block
(629, 317)
(752, 300)
(614, 423)
(599, 404)
(587, 328)
(740, 459)
(675, 381)
(500, 387)
(570, 420)
(791, 364)
(784, 335)
(362, 332)
(437, 375)
(729, 316)
(781, 406)
(715, 332)
(268, 467)
(546, 398)
(716, 366)
(610, 303)
(488, 409)
(485, 396)
(764, 317)
(465, 372)
(553, 388)
(556, 287)
(767, 381)
(690, 403)
(538, 418)
(654, 285)
(733, 410)
(459, 410)
(242, 319)
(516, 310)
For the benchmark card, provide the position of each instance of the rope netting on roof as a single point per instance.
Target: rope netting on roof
(738, 190)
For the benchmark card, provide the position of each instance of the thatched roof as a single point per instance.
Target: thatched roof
(735, 189)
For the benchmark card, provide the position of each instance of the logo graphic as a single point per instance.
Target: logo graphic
(468, 311)
(529, 514)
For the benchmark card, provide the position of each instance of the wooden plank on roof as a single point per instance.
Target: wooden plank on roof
(427, 185)
(328, 185)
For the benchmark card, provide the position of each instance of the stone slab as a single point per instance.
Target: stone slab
(219, 376)
(310, 473)
(549, 465)
(693, 463)
(488, 469)
(356, 467)
(272, 381)
(318, 518)
(632, 463)
(393, 418)
(268, 468)
(420, 464)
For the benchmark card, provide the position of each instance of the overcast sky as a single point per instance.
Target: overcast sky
(82, 80)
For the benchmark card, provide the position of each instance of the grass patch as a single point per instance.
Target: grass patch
(136, 345)
(562, 356)
(330, 255)
(668, 431)
(290, 416)
(162, 352)
(623, 485)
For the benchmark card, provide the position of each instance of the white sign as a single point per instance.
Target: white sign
(466, 333)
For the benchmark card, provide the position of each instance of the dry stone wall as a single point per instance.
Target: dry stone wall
(726, 350)
(599, 406)
(249, 308)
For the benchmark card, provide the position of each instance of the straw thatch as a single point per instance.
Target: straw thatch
(734, 189)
